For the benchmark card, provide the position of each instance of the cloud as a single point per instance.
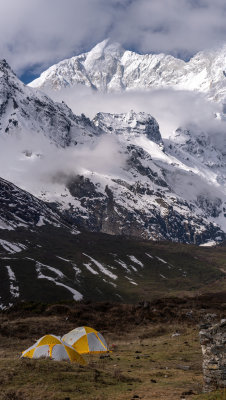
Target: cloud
(171, 108)
(36, 165)
(179, 27)
(38, 32)
(35, 34)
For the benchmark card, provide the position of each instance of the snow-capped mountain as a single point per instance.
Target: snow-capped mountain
(156, 195)
(122, 178)
(114, 175)
(44, 260)
(108, 68)
(23, 109)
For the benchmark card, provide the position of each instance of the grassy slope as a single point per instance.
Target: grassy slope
(189, 269)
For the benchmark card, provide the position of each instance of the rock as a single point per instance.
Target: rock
(175, 334)
(213, 339)
(184, 367)
(187, 393)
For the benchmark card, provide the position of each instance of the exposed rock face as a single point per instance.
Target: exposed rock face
(104, 211)
(213, 342)
(20, 209)
(131, 124)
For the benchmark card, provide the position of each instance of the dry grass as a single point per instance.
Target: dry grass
(219, 395)
(130, 370)
(146, 362)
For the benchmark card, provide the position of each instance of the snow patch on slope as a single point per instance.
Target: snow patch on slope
(11, 247)
(76, 295)
(14, 288)
(103, 269)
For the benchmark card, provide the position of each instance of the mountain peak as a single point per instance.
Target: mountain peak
(105, 52)
(5, 67)
(132, 123)
(106, 46)
(23, 110)
(107, 67)
(3, 62)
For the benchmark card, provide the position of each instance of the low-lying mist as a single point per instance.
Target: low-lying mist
(30, 161)
(171, 108)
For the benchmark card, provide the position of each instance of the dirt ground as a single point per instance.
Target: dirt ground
(155, 355)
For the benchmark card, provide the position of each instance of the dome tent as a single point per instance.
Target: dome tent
(86, 340)
(51, 346)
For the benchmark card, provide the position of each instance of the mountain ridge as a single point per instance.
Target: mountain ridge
(92, 225)
(108, 68)
(127, 179)
(52, 119)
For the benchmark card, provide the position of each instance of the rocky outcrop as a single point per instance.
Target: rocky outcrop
(213, 342)
(130, 124)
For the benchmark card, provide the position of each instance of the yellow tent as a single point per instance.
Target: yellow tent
(86, 340)
(51, 346)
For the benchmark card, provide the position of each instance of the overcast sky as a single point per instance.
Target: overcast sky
(34, 34)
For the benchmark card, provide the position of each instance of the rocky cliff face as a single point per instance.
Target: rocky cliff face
(129, 125)
(21, 209)
(212, 340)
